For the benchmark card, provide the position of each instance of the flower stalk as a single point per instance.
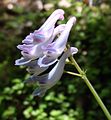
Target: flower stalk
(71, 73)
(84, 77)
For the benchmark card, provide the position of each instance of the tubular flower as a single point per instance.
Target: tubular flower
(54, 49)
(31, 47)
(44, 47)
(46, 81)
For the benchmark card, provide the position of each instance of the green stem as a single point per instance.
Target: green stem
(71, 73)
(98, 99)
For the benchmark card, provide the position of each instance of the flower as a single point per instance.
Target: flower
(34, 68)
(31, 47)
(44, 47)
(46, 81)
(55, 49)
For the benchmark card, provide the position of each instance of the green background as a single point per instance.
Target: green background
(70, 99)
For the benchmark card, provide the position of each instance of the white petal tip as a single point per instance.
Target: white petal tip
(59, 11)
(22, 61)
(74, 50)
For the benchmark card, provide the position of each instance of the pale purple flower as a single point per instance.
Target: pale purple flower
(44, 47)
(55, 49)
(25, 60)
(31, 47)
(46, 81)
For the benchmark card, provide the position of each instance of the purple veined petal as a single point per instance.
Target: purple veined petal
(50, 57)
(22, 61)
(28, 39)
(40, 36)
(46, 61)
(45, 32)
(26, 55)
(25, 48)
(30, 51)
(55, 49)
(46, 81)
(50, 50)
(37, 37)
(33, 52)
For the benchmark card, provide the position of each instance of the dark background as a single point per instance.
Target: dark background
(70, 99)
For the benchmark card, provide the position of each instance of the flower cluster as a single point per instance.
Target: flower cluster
(44, 47)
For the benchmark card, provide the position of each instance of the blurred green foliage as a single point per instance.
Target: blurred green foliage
(70, 99)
